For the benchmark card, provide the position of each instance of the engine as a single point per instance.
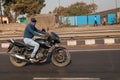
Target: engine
(41, 51)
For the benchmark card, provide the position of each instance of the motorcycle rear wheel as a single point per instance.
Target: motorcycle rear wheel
(15, 61)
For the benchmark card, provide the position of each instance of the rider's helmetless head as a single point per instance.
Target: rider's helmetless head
(33, 21)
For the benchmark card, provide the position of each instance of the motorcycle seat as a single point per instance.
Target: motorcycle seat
(19, 43)
(22, 44)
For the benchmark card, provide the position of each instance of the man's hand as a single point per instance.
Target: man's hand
(43, 36)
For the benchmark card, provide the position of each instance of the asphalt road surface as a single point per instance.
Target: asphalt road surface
(90, 64)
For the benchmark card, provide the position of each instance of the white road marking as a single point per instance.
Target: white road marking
(3, 52)
(40, 78)
(94, 50)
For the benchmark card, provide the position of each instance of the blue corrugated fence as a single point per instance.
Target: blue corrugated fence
(88, 19)
(91, 19)
(81, 20)
(111, 18)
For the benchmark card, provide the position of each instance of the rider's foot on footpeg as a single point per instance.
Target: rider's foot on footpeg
(33, 60)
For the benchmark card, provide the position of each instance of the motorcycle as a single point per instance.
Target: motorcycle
(19, 52)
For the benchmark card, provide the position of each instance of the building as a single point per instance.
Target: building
(111, 11)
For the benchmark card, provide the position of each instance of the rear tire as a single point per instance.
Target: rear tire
(15, 61)
(61, 57)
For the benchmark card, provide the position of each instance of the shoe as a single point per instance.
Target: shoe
(33, 60)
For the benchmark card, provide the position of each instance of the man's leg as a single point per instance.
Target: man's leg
(36, 47)
(31, 42)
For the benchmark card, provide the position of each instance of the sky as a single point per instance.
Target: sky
(102, 4)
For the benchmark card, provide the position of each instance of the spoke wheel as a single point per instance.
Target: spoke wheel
(61, 58)
(15, 61)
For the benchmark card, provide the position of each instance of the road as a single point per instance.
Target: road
(90, 64)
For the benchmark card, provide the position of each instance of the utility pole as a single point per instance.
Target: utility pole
(116, 5)
(58, 14)
(93, 2)
(1, 11)
(59, 8)
(116, 11)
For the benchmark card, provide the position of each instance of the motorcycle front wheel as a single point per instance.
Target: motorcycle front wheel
(61, 57)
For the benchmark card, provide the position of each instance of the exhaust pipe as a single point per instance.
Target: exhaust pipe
(19, 57)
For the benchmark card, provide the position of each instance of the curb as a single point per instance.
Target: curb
(107, 41)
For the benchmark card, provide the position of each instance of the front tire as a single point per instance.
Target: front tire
(61, 57)
(15, 61)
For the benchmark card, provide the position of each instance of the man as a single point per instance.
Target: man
(29, 33)
(104, 20)
(95, 21)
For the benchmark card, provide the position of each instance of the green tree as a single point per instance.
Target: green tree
(92, 7)
(7, 10)
(23, 6)
(79, 8)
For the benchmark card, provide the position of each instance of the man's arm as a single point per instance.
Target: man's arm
(40, 31)
(33, 31)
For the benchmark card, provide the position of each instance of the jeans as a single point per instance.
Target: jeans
(31, 42)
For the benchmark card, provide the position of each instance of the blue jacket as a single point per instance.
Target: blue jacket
(31, 31)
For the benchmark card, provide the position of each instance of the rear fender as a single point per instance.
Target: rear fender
(10, 47)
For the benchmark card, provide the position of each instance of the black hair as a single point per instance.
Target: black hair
(33, 20)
